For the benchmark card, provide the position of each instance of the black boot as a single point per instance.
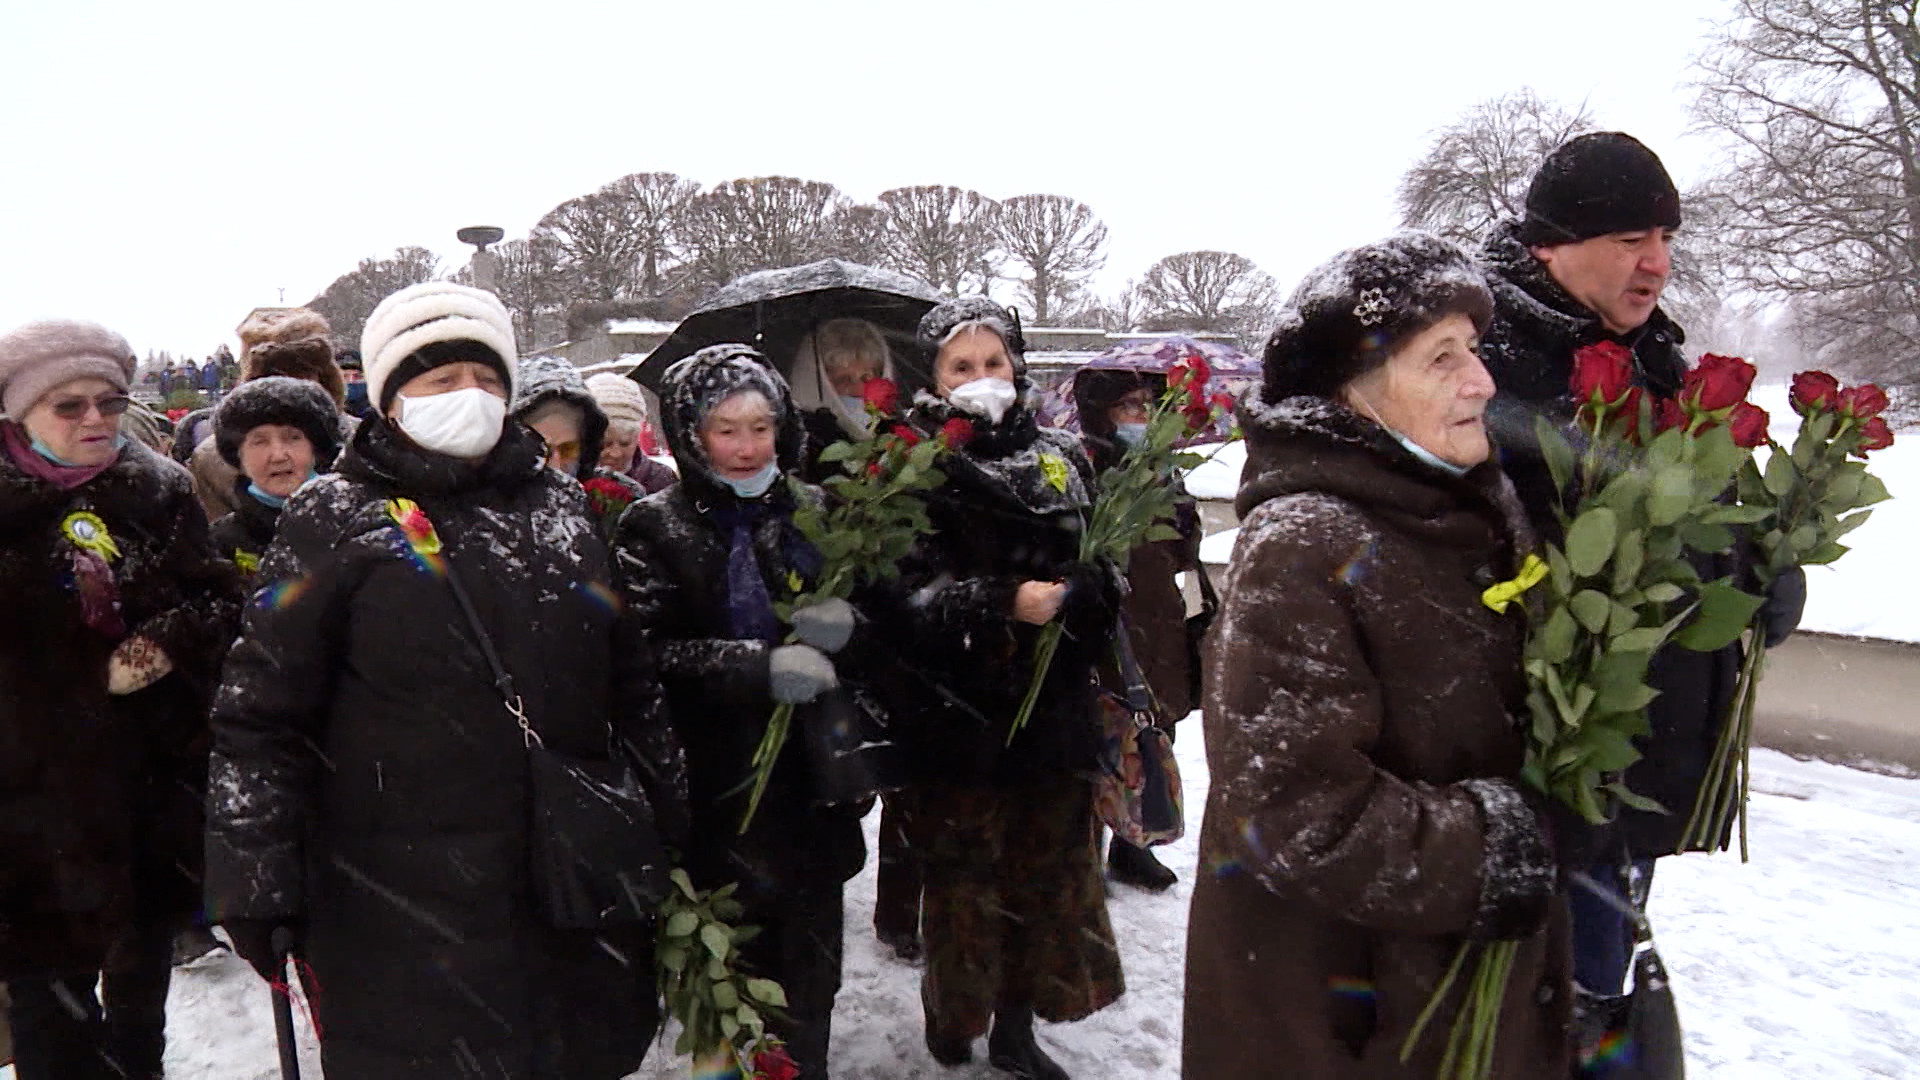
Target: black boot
(1012, 1048)
(1137, 866)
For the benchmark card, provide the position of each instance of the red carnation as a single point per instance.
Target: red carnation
(880, 395)
(1602, 373)
(1748, 424)
(1863, 402)
(904, 433)
(1814, 390)
(1874, 435)
(955, 433)
(772, 1063)
(1717, 382)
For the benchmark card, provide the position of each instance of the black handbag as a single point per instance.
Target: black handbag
(593, 848)
(1636, 1035)
(851, 756)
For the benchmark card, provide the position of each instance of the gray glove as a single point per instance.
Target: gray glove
(796, 674)
(826, 626)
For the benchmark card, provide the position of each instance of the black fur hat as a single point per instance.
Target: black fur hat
(1606, 182)
(278, 399)
(1349, 315)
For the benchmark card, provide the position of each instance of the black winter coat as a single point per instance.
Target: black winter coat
(367, 778)
(243, 536)
(1011, 511)
(672, 557)
(1528, 349)
(99, 794)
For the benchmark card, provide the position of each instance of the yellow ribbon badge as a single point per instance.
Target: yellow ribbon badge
(1532, 572)
(1055, 470)
(87, 532)
(247, 561)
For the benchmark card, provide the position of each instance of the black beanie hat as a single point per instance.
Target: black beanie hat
(1606, 182)
(1350, 315)
(277, 399)
(440, 354)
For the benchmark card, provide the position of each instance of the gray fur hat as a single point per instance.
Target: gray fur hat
(39, 356)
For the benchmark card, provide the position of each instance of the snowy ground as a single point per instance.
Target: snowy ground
(1804, 963)
(1874, 591)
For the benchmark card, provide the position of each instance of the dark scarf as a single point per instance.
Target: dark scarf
(750, 614)
(19, 446)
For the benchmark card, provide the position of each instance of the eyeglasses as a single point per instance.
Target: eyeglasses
(565, 451)
(76, 408)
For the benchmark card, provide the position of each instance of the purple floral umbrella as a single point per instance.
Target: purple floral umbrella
(1232, 372)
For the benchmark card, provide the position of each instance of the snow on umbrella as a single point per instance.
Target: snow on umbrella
(1153, 356)
(773, 309)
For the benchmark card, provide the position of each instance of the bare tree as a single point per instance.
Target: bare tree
(528, 280)
(599, 242)
(859, 233)
(353, 295)
(656, 207)
(746, 225)
(1215, 291)
(1818, 100)
(1058, 242)
(1477, 169)
(943, 235)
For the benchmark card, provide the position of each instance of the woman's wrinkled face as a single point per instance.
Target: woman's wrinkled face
(445, 379)
(850, 371)
(1434, 391)
(973, 353)
(560, 427)
(738, 435)
(617, 450)
(78, 420)
(277, 458)
(1131, 408)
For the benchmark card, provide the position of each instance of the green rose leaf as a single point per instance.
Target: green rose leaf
(682, 924)
(1723, 616)
(725, 997)
(767, 992)
(1590, 540)
(1592, 609)
(716, 940)
(1670, 495)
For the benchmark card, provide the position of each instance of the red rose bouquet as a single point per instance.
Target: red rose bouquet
(1136, 499)
(871, 518)
(1808, 498)
(607, 499)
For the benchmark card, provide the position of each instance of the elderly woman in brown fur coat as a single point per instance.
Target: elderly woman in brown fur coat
(1366, 815)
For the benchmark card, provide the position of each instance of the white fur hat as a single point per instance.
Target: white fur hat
(619, 397)
(430, 312)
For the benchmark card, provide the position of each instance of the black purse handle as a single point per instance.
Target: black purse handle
(502, 681)
(1139, 695)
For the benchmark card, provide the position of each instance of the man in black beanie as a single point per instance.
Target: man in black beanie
(1587, 264)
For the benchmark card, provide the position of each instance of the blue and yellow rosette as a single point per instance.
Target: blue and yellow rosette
(84, 530)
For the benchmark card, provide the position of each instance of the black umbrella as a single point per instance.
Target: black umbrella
(772, 310)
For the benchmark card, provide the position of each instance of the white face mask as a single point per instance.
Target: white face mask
(990, 398)
(460, 423)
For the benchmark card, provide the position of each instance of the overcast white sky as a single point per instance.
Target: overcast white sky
(166, 167)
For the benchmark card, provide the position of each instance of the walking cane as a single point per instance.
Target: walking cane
(283, 1030)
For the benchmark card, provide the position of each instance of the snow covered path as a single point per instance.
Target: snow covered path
(1803, 963)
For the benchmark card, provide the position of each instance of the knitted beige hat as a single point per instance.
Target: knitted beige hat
(39, 356)
(619, 397)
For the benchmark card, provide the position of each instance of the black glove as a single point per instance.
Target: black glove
(1786, 601)
(1577, 843)
(1092, 604)
(255, 941)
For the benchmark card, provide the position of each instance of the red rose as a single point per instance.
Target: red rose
(1198, 415)
(1188, 374)
(772, 1063)
(1668, 416)
(880, 395)
(955, 433)
(1748, 423)
(873, 468)
(1814, 390)
(1863, 402)
(1629, 415)
(1602, 374)
(905, 434)
(604, 487)
(1717, 382)
(1875, 435)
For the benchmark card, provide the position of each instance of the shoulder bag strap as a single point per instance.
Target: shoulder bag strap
(502, 681)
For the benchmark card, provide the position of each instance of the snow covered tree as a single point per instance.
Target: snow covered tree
(353, 295)
(528, 280)
(757, 224)
(1057, 242)
(859, 233)
(598, 240)
(1476, 170)
(1819, 197)
(943, 235)
(1216, 291)
(656, 210)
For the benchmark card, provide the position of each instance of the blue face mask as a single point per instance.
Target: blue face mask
(45, 451)
(855, 406)
(1131, 434)
(275, 501)
(1428, 456)
(756, 485)
(357, 401)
